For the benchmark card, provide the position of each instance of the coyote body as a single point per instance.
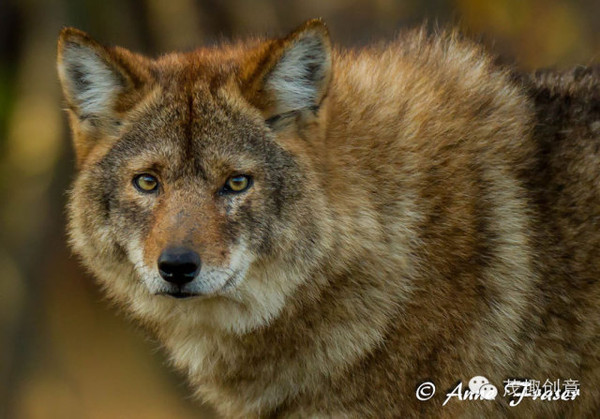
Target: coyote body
(410, 213)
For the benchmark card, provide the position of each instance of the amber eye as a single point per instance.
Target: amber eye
(236, 184)
(145, 183)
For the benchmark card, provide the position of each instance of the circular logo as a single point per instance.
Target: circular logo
(425, 391)
(488, 392)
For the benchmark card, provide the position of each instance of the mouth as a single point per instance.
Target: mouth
(179, 294)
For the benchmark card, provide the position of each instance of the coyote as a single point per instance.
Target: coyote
(314, 231)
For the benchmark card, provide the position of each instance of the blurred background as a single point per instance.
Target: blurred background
(64, 351)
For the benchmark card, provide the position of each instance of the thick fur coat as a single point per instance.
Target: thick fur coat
(413, 213)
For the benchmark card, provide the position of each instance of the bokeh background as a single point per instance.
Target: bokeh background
(64, 351)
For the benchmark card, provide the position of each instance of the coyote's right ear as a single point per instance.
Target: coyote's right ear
(292, 73)
(99, 83)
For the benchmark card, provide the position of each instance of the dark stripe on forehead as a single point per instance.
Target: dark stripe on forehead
(188, 146)
(191, 153)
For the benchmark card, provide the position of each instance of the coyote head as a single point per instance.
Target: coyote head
(197, 187)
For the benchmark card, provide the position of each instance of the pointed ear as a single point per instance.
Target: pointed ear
(98, 82)
(292, 73)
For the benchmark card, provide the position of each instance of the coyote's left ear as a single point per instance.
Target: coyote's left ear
(292, 73)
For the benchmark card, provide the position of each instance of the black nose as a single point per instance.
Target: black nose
(178, 265)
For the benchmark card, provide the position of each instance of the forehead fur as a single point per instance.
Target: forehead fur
(213, 66)
(211, 133)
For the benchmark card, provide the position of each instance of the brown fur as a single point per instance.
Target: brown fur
(427, 216)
